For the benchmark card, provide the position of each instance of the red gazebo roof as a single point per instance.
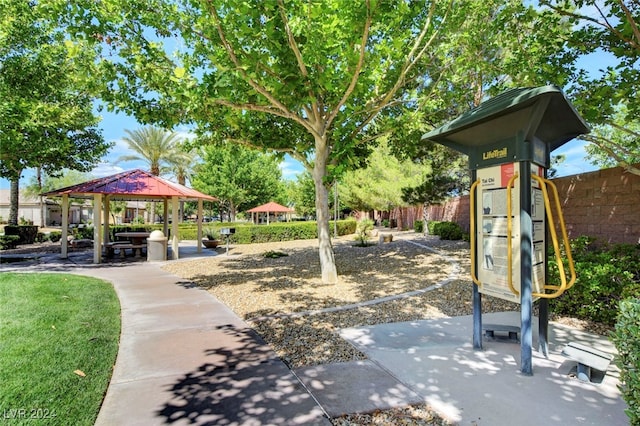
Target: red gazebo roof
(271, 207)
(132, 184)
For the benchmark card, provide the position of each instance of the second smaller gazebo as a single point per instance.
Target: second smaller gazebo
(269, 208)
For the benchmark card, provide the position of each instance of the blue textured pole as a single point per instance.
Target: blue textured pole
(526, 238)
(477, 296)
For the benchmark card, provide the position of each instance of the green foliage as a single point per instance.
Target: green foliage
(9, 241)
(45, 103)
(286, 231)
(627, 340)
(82, 232)
(363, 230)
(272, 254)
(605, 276)
(301, 193)
(55, 236)
(41, 237)
(379, 185)
(418, 226)
(211, 233)
(239, 177)
(26, 233)
(446, 230)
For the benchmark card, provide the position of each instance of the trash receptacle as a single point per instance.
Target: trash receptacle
(156, 246)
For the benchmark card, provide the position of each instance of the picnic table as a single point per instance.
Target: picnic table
(138, 241)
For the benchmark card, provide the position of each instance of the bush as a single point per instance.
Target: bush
(627, 340)
(418, 226)
(283, 231)
(385, 223)
(447, 230)
(55, 236)
(363, 229)
(41, 237)
(26, 233)
(605, 276)
(8, 241)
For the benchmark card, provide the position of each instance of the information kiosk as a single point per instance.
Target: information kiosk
(509, 140)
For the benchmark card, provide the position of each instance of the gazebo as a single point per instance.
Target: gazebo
(269, 208)
(129, 185)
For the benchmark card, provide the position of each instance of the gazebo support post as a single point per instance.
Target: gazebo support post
(105, 220)
(97, 227)
(199, 219)
(175, 207)
(65, 227)
(165, 216)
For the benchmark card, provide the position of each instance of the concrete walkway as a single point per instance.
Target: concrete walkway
(185, 358)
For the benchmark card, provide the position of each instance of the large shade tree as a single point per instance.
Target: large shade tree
(240, 178)
(307, 78)
(321, 81)
(46, 113)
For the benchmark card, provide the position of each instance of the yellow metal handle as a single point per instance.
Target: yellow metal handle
(557, 289)
(509, 236)
(472, 236)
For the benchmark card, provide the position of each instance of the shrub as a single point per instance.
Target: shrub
(41, 237)
(8, 241)
(385, 223)
(431, 226)
(55, 236)
(627, 340)
(363, 229)
(83, 233)
(26, 233)
(448, 230)
(418, 226)
(605, 276)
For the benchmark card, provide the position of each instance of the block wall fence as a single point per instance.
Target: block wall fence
(604, 204)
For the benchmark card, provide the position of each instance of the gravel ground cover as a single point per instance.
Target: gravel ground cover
(283, 298)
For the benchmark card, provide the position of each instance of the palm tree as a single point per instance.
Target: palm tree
(181, 167)
(154, 146)
(157, 147)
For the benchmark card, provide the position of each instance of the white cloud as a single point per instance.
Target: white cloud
(290, 168)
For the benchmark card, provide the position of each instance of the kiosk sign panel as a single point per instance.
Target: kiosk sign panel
(493, 263)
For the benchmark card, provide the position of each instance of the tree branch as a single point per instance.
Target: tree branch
(284, 111)
(602, 144)
(408, 64)
(356, 72)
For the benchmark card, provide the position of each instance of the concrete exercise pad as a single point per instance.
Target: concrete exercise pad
(436, 359)
(355, 387)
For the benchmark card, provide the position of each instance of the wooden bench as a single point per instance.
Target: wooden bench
(490, 329)
(587, 358)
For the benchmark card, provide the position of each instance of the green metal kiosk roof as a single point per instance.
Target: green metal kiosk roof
(523, 124)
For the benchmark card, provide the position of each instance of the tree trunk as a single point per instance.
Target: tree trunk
(13, 201)
(425, 217)
(327, 259)
(43, 211)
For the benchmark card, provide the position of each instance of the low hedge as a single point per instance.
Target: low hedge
(9, 241)
(606, 274)
(446, 230)
(26, 233)
(627, 340)
(280, 231)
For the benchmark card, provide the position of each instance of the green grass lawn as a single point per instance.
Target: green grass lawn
(53, 329)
